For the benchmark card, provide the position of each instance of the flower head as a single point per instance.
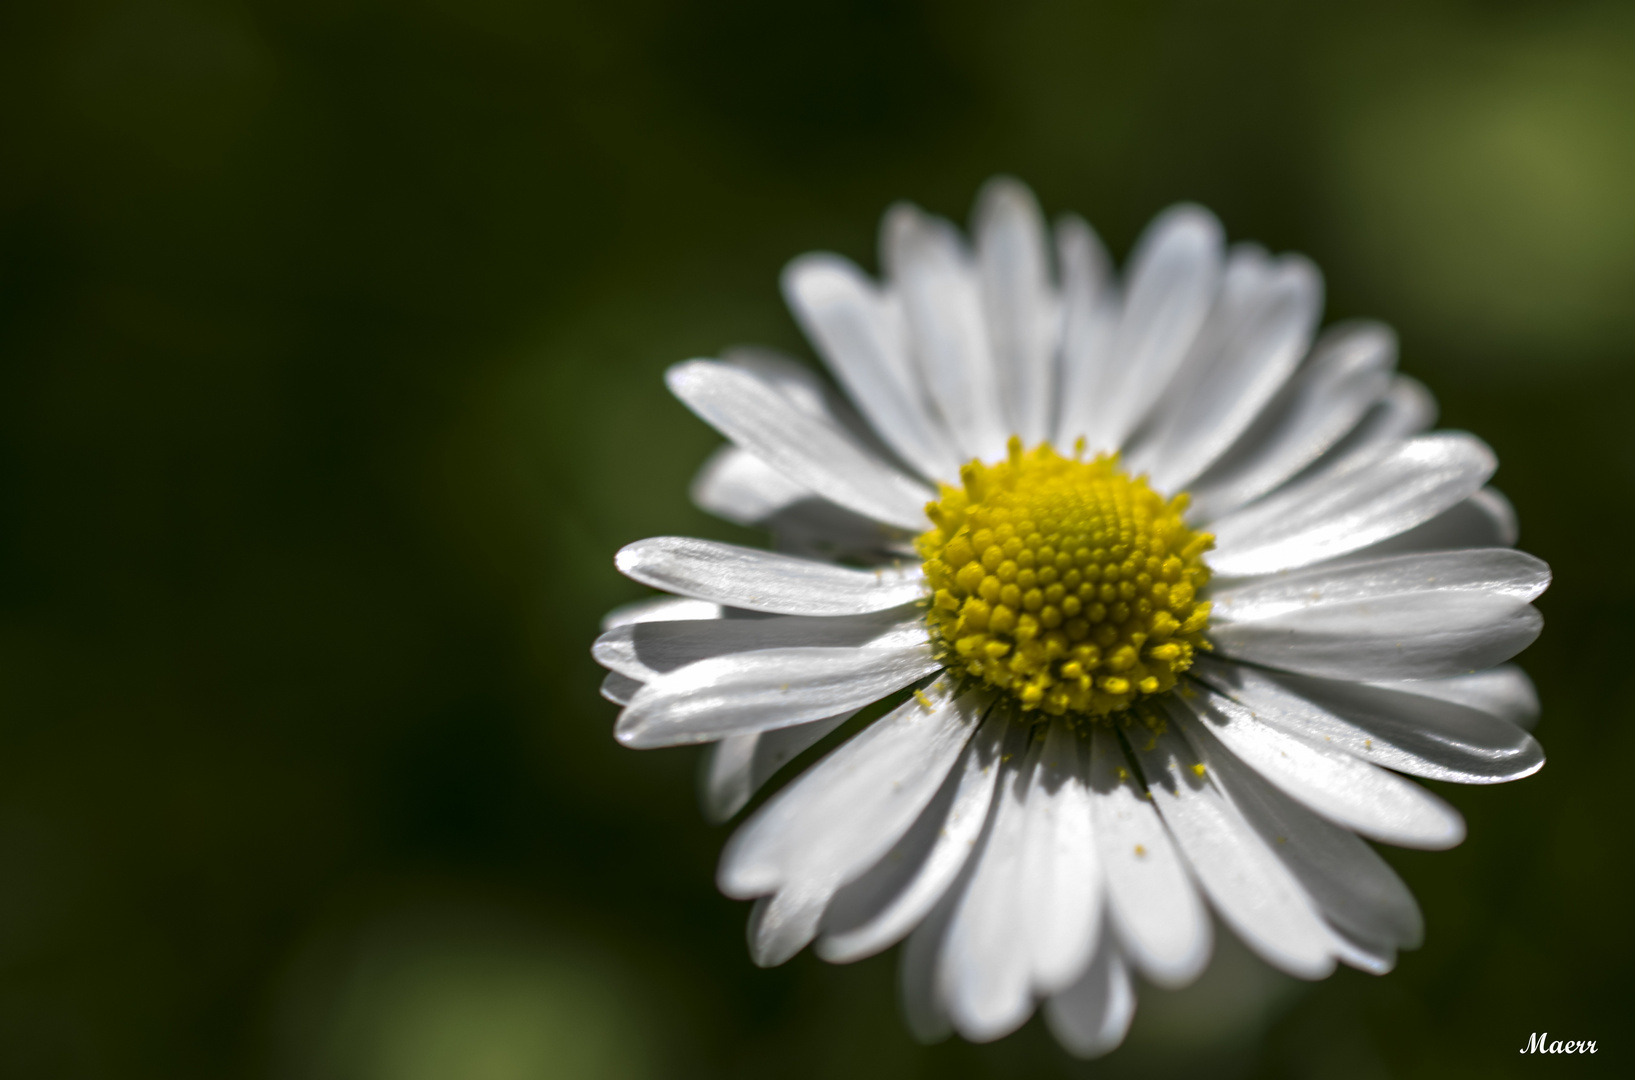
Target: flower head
(1165, 592)
(1067, 583)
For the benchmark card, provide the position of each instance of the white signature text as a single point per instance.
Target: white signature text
(1540, 1043)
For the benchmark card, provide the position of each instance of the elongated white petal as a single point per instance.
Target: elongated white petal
(925, 1003)
(982, 977)
(1349, 882)
(781, 925)
(1486, 519)
(1022, 311)
(739, 487)
(881, 907)
(1173, 277)
(1407, 636)
(1363, 499)
(770, 688)
(1323, 777)
(814, 451)
(619, 689)
(801, 386)
(660, 609)
(1498, 571)
(1407, 732)
(647, 651)
(1091, 1017)
(934, 275)
(859, 336)
(1249, 886)
(1406, 410)
(1505, 692)
(921, 993)
(1373, 956)
(840, 816)
(1061, 899)
(1090, 309)
(757, 580)
(739, 764)
(1253, 342)
(1152, 903)
(1349, 370)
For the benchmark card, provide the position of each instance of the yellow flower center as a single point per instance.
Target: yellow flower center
(1067, 583)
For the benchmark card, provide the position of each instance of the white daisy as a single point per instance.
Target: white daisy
(1179, 594)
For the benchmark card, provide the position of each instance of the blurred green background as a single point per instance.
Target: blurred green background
(331, 336)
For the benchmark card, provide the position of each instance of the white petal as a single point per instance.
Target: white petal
(1486, 519)
(738, 765)
(725, 779)
(1173, 277)
(840, 816)
(878, 909)
(1350, 883)
(619, 689)
(817, 452)
(1152, 902)
(1500, 571)
(1249, 886)
(1252, 343)
(1364, 498)
(1374, 957)
(1407, 636)
(660, 609)
(757, 580)
(1091, 1017)
(1504, 691)
(1089, 318)
(771, 688)
(1406, 410)
(1349, 369)
(647, 651)
(982, 976)
(923, 968)
(858, 335)
(1022, 309)
(923, 1007)
(1500, 515)
(1344, 789)
(806, 390)
(1410, 733)
(933, 273)
(737, 486)
(1061, 873)
(781, 925)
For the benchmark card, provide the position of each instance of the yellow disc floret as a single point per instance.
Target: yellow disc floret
(1067, 583)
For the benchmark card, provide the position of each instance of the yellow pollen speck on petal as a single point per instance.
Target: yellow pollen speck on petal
(1198, 770)
(1068, 584)
(925, 702)
(1140, 852)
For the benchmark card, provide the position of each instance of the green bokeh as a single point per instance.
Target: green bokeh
(331, 341)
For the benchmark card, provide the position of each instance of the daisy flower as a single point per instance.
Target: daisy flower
(1160, 596)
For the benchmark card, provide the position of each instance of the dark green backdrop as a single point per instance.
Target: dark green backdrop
(331, 336)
